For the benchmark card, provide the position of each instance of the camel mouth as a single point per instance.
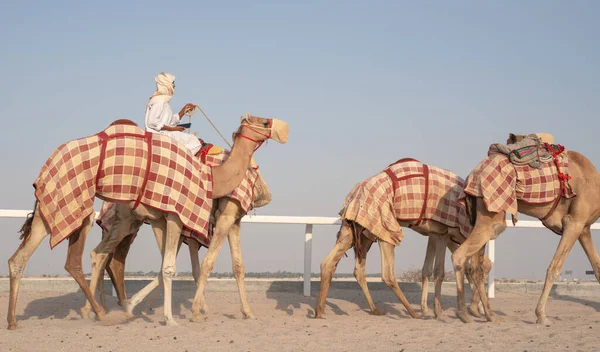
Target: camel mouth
(279, 131)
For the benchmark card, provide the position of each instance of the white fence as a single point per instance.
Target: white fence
(311, 221)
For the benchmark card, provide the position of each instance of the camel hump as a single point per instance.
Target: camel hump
(123, 122)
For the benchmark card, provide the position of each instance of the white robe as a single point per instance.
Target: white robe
(159, 114)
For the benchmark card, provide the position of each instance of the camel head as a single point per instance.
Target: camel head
(259, 129)
(544, 137)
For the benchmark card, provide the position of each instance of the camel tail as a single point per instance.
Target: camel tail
(26, 228)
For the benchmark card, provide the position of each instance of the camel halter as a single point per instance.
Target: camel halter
(254, 129)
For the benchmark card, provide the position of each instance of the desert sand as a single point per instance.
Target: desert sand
(51, 322)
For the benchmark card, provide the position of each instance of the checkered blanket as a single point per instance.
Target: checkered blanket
(501, 183)
(123, 163)
(244, 194)
(406, 191)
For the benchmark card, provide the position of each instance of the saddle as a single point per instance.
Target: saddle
(529, 151)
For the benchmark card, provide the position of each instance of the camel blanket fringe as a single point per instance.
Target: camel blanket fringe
(123, 163)
(407, 190)
(501, 183)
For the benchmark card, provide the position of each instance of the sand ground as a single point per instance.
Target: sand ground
(51, 322)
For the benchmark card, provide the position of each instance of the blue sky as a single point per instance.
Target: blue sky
(362, 84)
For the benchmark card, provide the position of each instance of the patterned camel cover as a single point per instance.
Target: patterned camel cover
(123, 163)
(407, 190)
(244, 194)
(501, 183)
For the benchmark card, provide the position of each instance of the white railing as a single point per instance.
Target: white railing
(310, 221)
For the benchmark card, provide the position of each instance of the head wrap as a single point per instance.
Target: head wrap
(164, 84)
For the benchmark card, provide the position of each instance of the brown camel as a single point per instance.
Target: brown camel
(406, 194)
(252, 132)
(167, 226)
(227, 212)
(570, 218)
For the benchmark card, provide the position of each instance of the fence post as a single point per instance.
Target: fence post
(307, 258)
(491, 276)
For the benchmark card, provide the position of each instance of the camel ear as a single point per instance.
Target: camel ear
(512, 138)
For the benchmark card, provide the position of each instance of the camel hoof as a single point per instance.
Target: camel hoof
(377, 312)
(464, 317)
(100, 315)
(542, 321)
(249, 316)
(425, 311)
(475, 312)
(319, 315)
(85, 312)
(197, 318)
(13, 326)
(127, 307)
(171, 322)
(416, 316)
(495, 319)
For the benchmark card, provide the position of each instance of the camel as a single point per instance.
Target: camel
(570, 218)
(377, 208)
(166, 226)
(253, 131)
(227, 212)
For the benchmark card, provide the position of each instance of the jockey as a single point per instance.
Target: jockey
(160, 118)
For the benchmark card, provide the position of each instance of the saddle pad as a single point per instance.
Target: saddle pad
(122, 163)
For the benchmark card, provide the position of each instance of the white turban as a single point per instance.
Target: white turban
(164, 84)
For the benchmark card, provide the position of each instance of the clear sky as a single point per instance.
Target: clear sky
(362, 84)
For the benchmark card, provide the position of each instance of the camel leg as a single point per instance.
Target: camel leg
(17, 263)
(194, 248)
(590, 251)
(169, 268)
(476, 307)
(238, 267)
(129, 305)
(99, 255)
(360, 273)
(439, 272)
(224, 223)
(389, 277)
(572, 230)
(478, 278)
(101, 284)
(426, 274)
(487, 226)
(116, 268)
(343, 244)
(75, 268)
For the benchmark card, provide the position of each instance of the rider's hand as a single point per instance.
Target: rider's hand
(187, 108)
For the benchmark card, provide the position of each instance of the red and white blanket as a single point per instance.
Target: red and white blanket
(244, 194)
(123, 163)
(407, 190)
(501, 183)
